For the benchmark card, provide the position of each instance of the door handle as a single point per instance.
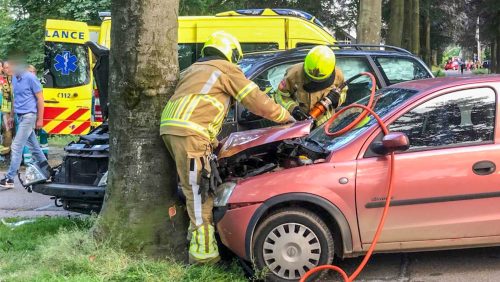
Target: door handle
(484, 168)
(53, 101)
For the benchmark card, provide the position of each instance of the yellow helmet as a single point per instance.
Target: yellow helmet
(226, 44)
(319, 64)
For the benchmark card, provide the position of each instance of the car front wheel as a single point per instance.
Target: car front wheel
(290, 242)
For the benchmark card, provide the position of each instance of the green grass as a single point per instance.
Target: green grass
(61, 249)
(438, 71)
(480, 71)
(61, 141)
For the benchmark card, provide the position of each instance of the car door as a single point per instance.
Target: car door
(447, 183)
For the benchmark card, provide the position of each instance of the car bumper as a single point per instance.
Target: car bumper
(70, 191)
(232, 228)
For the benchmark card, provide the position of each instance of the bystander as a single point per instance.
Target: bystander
(28, 107)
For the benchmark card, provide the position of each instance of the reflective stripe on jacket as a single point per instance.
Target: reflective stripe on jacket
(203, 96)
(291, 92)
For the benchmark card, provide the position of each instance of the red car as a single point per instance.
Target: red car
(293, 200)
(453, 65)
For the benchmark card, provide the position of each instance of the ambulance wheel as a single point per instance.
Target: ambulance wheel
(290, 242)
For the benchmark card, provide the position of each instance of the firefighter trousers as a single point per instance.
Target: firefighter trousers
(190, 154)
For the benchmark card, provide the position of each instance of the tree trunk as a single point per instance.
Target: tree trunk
(395, 33)
(369, 21)
(426, 51)
(434, 57)
(497, 46)
(496, 57)
(407, 25)
(142, 179)
(415, 31)
(493, 61)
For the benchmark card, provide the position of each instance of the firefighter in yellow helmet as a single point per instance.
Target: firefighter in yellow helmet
(191, 121)
(307, 83)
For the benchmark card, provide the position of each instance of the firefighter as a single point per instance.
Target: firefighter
(191, 121)
(307, 83)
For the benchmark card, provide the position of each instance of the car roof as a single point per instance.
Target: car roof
(436, 84)
(296, 54)
(302, 52)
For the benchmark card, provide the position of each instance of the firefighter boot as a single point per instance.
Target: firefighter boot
(203, 246)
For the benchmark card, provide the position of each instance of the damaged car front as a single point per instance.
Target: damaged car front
(273, 173)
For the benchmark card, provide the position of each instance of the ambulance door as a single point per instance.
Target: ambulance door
(68, 82)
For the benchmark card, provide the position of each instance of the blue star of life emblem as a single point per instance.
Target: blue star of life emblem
(65, 63)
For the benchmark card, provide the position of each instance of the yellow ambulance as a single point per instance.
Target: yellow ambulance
(256, 29)
(67, 78)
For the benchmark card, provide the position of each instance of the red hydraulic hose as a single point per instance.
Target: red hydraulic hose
(360, 117)
(366, 110)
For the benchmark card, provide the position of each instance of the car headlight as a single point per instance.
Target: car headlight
(223, 193)
(104, 180)
(34, 174)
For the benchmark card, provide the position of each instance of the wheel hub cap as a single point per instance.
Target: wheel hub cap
(290, 250)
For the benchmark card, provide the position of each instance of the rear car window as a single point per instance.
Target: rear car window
(66, 65)
(399, 69)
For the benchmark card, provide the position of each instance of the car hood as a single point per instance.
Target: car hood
(241, 141)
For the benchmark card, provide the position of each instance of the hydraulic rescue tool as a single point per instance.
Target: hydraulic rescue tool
(321, 107)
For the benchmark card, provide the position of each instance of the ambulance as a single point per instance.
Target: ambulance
(68, 68)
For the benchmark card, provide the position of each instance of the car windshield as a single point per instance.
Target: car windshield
(386, 100)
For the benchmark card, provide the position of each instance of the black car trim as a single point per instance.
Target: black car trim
(70, 190)
(433, 200)
(333, 211)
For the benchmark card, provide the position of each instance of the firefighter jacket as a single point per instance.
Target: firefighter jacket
(205, 93)
(6, 104)
(291, 92)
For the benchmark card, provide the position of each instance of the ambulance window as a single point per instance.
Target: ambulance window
(66, 65)
(187, 55)
(259, 47)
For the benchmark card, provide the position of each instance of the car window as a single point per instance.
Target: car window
(459, 118)
(269, 80)
(398, 69)
(360, 87)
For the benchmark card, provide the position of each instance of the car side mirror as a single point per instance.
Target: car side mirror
(392, 142)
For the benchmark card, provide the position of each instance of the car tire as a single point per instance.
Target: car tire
(289, 236)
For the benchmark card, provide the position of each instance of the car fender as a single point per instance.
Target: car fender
(332, 209)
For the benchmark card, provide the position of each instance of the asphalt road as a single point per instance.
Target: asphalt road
(18, 202)
(457, 74)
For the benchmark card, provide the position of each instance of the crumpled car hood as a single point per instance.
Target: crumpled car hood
(241, 141)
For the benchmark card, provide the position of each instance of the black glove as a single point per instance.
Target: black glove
(334, 96)
(298, 114)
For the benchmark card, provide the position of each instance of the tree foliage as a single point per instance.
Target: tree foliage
(22, 23)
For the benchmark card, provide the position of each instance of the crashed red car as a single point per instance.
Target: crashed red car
(293, 200)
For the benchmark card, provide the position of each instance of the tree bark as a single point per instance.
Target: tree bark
(369, 22)
(395, 33)
(497, 45)
(142, 179)
(493, 61)
(407, 25)
(415, 31)
(427, 25)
